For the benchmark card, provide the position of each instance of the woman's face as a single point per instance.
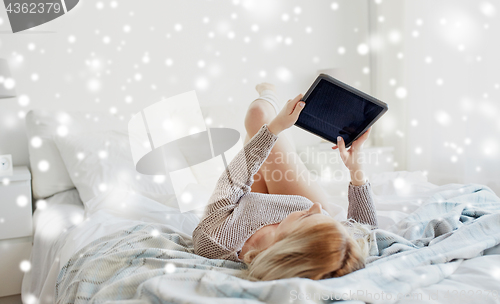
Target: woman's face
(311, 216)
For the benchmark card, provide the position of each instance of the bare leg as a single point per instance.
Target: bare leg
(259, 184)
(283, 171)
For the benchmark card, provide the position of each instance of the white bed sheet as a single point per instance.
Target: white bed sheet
(396, 195)
(63, 227)
(51, 220)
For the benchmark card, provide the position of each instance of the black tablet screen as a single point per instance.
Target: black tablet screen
(333, 111)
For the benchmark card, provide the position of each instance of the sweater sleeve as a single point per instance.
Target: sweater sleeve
(361, 207)
(237, 179)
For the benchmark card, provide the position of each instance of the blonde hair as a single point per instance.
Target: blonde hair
(320, 251)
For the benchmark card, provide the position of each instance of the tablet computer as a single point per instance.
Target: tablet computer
(334, 108)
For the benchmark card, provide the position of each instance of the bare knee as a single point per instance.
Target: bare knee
(260, 112)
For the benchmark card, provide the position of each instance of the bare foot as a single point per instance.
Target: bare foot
(265, 86)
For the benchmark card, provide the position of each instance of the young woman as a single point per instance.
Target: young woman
(264, 214)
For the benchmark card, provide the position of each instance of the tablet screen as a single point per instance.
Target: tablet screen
(333, 111)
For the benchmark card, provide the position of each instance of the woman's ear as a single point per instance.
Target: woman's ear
(251, 255)
(353, 260)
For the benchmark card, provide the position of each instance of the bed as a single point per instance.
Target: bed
(103, 233)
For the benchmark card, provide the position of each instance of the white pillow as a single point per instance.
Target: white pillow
(47, 168)
(99, 162)
(48, 171)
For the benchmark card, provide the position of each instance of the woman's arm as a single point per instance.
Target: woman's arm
(237, 179)
(361, 207)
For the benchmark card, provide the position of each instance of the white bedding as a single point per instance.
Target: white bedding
(51, 220)
(63, 227)
(396, 195)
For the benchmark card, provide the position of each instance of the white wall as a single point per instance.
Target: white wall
(77, 70)
(388, 75)
(448, 123)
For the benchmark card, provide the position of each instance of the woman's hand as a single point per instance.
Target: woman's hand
(350, 157)
(287, 116)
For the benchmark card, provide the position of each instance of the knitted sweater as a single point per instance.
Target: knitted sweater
(234, 213)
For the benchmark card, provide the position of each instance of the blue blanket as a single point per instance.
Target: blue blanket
(152, 263)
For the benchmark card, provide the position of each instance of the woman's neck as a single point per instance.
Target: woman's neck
(260, 240)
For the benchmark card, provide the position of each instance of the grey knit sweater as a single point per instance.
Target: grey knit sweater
(234, 213)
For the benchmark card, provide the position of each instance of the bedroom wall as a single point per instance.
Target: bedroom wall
(449, 70)
(119, 57)
(459, 137)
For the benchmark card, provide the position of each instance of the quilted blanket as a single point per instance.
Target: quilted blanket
(153, 263)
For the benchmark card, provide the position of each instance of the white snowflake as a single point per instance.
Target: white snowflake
(442, 118)
(23, 100)
(102, 154)
(283, 74)
(30, 299)
(41, 204)
(36, 142)
(9, 83)
(22, 201)
(25, 266)
(201, 83)
(94, 85)
(363, 49)
(170, 268)
(487, 9)
(186, 197)
(43, 165)
(401, 92)
(159, 179)
(62, 130)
